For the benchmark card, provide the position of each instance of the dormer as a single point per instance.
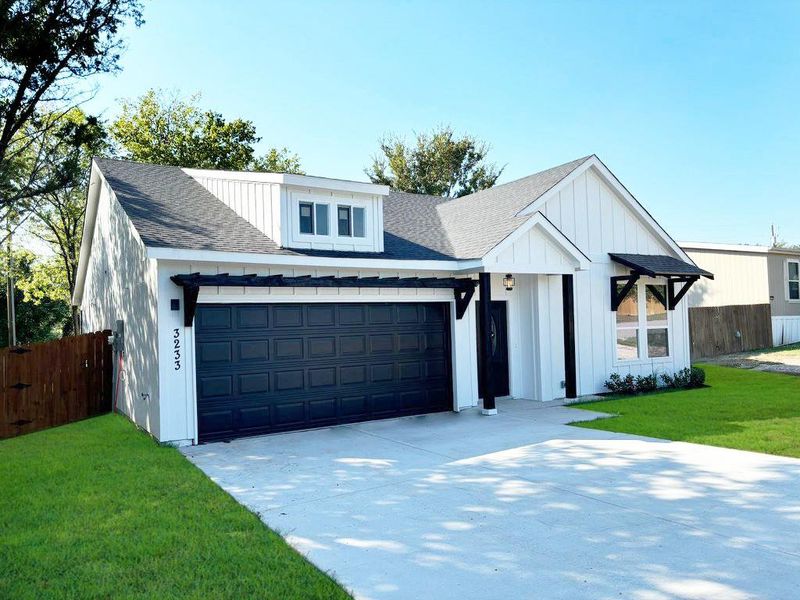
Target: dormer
(303, 212)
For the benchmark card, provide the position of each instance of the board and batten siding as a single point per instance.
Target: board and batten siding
(740, 278)
(259, 203)
(121, 285)
(598, 221)
(178, 384)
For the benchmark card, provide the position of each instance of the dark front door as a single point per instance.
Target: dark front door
(263, 368)
(498, 361)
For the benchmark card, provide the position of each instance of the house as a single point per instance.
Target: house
(754, 296)
(258, 302)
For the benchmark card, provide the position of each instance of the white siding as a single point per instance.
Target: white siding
(739, 278)
(121, 284)
(598, 220)
(533, 251)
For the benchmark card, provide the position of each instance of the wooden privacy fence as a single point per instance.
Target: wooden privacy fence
(49, 384)
(713, 329)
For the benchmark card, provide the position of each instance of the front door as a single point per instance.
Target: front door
(499, 358)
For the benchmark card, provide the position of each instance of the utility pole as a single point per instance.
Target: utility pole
(10, 308)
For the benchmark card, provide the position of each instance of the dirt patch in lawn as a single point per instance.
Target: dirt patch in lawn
(784, 359)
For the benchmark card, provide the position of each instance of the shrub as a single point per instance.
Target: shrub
(646, 383)
(621, 385)
(685, 378)
(697, 378)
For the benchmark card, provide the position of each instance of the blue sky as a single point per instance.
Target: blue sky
(693, 105)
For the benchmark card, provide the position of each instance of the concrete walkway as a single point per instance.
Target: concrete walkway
(520, 505)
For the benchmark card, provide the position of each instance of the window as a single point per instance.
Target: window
(306, 217)
(642, 323)
(314, 218)
(344, 221)
(359, 228)
(628, 325)
(322, 219)
(657, 333)
(793, 279)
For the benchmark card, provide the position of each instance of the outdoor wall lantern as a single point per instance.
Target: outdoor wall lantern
(509, 282)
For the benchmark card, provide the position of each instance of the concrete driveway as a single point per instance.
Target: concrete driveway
(519, 505)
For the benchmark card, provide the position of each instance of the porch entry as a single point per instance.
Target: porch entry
(498, 358)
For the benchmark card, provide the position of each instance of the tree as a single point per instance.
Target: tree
(46, 47)
(440, 163)
(168, 130)
(58, 214)
(42, 299)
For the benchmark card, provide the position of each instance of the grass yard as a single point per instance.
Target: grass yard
(96, 509)
(744, 409)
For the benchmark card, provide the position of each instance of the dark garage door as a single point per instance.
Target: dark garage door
(264, 368)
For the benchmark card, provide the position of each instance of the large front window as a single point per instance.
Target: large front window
(642, 324)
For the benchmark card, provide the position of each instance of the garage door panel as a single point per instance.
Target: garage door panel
(315, 365)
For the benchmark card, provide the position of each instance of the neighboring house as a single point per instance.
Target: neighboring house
(256, 302)
(760, 282)
(784, 285)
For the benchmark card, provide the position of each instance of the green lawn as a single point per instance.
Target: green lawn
(744, 409)
(96, 509)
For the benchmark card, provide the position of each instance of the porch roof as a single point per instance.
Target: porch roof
(659, 265)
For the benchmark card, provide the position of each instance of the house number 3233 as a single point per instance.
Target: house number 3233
(176, 348)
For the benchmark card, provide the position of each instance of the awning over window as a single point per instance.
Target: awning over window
(659, 265)
(676, 271)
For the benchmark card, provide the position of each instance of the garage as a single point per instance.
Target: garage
(264, 368)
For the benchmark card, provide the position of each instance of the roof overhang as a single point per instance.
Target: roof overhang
(308, 181)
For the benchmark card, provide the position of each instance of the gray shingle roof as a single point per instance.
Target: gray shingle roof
(171, 210)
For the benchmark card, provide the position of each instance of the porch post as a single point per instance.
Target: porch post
(484, 320)
(568, 303)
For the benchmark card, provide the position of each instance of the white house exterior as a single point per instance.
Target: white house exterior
(308, 314)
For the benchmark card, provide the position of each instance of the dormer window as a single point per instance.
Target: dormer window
(314, 218)
(351, 221)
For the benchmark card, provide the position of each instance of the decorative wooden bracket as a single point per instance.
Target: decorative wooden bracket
(659, 296)
(617, 296)
(190, 293)
(675, 297)
(463, 297)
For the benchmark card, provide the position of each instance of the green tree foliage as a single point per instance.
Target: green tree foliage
(439, 163)
(41, 297)
(46, 47)
(167, 130)
(57, 215)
